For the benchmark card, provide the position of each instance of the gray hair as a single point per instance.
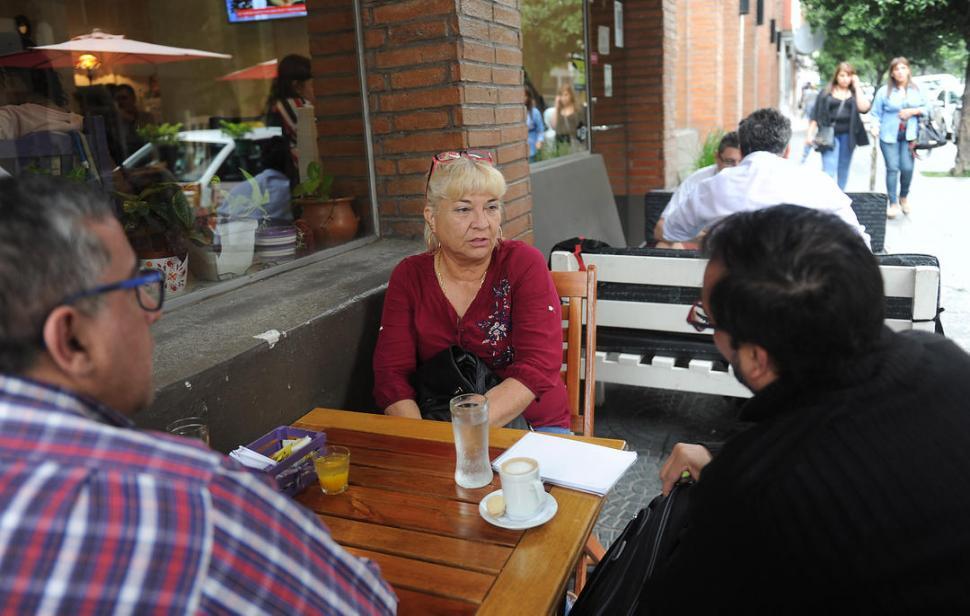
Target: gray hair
(765, 130)
(47, 252)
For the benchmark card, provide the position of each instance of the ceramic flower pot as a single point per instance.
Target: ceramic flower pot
(174, 268)
(332, 222)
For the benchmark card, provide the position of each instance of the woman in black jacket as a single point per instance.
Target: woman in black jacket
(837, 112)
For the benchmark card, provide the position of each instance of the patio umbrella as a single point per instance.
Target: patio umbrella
(263, 70)
(108, 49)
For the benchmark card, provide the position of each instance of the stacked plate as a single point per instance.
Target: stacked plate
(275, 244)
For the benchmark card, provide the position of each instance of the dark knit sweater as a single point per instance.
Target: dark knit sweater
(853, 499)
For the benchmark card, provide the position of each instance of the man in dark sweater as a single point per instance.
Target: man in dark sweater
(851, 491)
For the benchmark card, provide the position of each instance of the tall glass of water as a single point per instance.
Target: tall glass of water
(469, 420)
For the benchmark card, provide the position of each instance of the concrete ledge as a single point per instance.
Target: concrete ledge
(208, 362)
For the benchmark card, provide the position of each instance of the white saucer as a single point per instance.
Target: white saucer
(545, 513)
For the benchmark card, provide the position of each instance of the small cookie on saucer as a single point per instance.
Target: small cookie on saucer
(495, 506)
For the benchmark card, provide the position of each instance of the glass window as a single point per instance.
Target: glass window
(174, 107)
(554, 57)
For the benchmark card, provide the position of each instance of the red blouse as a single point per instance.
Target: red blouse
(514, 324)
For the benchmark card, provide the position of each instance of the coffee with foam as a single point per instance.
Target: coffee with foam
(518, 466)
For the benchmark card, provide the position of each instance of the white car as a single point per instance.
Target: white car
(202, 155)
(947, 107)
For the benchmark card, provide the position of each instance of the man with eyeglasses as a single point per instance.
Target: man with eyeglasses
(95, 515)
(847, 493)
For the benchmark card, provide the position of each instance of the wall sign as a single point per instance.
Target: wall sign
(618, 24)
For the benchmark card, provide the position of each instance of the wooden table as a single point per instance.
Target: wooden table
(404, 511)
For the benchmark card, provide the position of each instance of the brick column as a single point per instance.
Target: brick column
(444, 75)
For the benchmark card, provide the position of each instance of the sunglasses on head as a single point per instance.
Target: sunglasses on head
(443, 158)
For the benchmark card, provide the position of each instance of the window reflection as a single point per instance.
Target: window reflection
(554, 53)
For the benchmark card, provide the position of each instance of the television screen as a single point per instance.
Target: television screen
(256, 10)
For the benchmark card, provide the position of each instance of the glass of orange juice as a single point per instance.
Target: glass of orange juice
(333, 468)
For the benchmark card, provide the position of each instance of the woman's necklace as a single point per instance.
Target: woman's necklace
(441, 281)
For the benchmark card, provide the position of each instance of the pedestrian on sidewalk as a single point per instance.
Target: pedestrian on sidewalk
(897, 106)
(837, 111)
(807, 105)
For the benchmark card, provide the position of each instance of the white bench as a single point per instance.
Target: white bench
(644, 295)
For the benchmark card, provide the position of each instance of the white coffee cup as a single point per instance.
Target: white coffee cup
(521, 487)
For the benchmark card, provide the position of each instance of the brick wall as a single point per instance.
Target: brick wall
(338, 108)
(444, 75)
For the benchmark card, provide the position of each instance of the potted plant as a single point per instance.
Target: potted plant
(159, 223)
(226, 248)
(165, 138)
(331, 221)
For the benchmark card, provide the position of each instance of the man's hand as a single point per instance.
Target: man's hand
(683, 457)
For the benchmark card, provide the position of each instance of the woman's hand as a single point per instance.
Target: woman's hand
(905, 114)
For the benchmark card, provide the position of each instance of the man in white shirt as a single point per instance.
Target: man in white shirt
(728, 155)
(764, 178)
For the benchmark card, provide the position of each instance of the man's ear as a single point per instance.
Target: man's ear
(66, 341)
(787, 151)
(759, 366)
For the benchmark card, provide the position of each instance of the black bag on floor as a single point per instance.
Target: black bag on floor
(615, 586)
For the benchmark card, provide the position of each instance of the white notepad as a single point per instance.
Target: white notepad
(572, 464)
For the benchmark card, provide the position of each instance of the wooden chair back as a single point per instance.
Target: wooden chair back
(577, 291)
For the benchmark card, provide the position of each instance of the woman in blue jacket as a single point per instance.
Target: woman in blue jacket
(897, 106)
(533, 120)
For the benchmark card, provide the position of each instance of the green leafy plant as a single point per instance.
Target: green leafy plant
(158, 214)
(244, 206)
(77, 173)
(160, 134)
(706, 156)
(316, 185)
(236, 130)
(552, 148)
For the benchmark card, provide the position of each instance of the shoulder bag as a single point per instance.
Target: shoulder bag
(929, 135)
(825, 137)
(452, 372)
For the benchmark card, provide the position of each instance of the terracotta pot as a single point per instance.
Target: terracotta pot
(332, 222)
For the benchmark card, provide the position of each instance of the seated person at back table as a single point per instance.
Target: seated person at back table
(764, 178)
(492, 297)
(98, 516)
(728, 155)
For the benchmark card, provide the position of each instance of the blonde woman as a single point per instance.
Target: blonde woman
(492, 297)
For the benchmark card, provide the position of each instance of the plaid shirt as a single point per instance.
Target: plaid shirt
(98, 518)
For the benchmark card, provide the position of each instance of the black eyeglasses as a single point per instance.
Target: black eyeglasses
(149, 286)
(698, 319)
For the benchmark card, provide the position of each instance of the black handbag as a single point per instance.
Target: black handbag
(930, 135)
(452, 372)
(824, 138)
(616, 586)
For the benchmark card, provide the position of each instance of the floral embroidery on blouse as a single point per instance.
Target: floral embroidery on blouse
(498, 325)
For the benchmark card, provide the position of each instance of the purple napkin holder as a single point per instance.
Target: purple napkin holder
(296, 472)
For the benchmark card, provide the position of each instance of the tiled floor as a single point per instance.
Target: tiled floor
(652, 421)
